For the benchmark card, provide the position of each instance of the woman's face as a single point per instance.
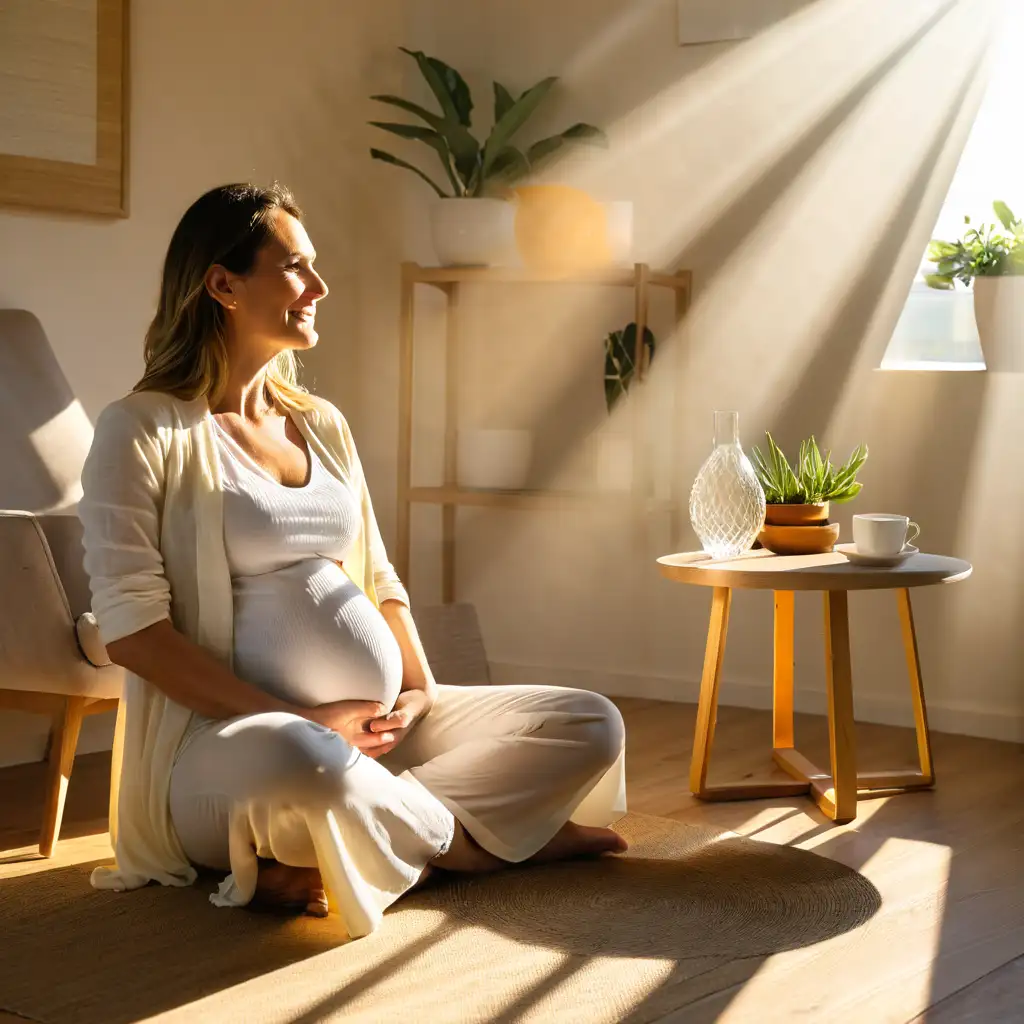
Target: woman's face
(274, 305)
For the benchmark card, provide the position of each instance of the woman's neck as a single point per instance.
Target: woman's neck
(246, 396)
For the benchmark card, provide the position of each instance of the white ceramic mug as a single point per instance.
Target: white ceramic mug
(882, 535)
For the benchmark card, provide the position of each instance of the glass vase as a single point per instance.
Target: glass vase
(727, 503)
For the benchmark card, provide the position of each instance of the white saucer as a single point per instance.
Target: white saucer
(878, 561)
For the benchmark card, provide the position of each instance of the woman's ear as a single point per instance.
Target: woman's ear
(220, 285)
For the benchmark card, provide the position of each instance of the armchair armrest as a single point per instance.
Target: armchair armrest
(38, 647)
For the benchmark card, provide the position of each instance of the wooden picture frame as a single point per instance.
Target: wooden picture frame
(99, 187)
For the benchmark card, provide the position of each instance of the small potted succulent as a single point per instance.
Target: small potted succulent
(480, 227)
(992, 263)
(797, 496)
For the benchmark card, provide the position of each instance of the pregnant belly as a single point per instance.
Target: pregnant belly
(309, 635)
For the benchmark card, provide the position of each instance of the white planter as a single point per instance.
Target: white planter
(494, 459)
(999, 314)
(474, 232)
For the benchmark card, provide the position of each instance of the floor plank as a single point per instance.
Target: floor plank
(998, 998)
(946, 946)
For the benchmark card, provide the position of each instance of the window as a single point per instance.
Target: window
(936, 330)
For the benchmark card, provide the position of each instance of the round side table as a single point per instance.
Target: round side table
(835, 792)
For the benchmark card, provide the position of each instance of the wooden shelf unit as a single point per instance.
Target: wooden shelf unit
(450, 496)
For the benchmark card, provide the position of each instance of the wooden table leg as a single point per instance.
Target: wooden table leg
(924, 743)
(707, 706)
(707, 711)
(839, 801)
(782, 703)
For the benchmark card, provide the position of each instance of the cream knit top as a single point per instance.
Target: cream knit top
(152, 513)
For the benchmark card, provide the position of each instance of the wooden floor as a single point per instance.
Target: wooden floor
(946, 948)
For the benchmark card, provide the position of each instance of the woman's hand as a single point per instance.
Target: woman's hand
(351, 719)
(410, 707)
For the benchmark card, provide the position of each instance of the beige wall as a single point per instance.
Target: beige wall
(792, 173)
(219, 92)
(798, 174)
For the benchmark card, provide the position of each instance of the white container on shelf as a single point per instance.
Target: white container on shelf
(474, 232)
(494, 459)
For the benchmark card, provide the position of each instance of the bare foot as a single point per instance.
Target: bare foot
(465, 854)
(283, 888)
(573, 840)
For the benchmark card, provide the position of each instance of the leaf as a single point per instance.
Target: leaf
(439, 78)
(388, 158)
(425, 135)
(583, 133)
(510, 163)
(940, 281)
(620, 364)
(464, 148)
(504, 101)
(457, 89)
(1005, 215)
(513, 120)
(939, 250)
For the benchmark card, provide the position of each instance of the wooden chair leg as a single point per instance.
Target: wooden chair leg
(707, 706)
(782, 702)
(67, 726)
(924, 742)
(843, 795)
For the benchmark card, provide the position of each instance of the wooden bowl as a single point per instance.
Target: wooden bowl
(797, 515)
(799, 540)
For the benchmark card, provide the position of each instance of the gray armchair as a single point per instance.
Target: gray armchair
(47, 637)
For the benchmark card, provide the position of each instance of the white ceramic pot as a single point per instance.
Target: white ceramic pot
(494, 459)
(999, 314)
(474, 232)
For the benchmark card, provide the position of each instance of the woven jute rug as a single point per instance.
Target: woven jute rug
(628, 938)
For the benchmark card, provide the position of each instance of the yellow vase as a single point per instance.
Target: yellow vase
(560, 229)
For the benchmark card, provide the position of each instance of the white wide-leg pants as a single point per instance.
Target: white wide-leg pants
(513, 764)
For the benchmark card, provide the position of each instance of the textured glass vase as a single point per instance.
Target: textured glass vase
(727, 503)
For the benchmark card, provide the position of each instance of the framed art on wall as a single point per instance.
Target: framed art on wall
(64, 116)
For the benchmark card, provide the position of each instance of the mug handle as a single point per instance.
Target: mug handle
(917, 533)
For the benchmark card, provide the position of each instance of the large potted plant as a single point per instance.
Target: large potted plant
(797, 496)
(994, 264)
(478, 228)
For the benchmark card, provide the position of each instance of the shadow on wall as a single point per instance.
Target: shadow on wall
(740, 194)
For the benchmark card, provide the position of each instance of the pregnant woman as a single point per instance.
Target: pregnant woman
(280, 721)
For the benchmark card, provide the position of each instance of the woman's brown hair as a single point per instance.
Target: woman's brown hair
(185, 351)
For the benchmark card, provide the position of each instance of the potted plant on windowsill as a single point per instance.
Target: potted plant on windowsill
(797, 497)
(994, 264)
(479, 230)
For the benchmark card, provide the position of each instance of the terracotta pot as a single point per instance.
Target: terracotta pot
(796, 515)
(799, 540)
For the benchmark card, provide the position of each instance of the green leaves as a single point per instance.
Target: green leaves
(980, 253)
(812, 480)
(513, 119)
(620, 362)
(504, 101)
(470, 167)
(388, 158)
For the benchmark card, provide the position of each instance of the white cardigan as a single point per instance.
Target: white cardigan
(154, 549)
